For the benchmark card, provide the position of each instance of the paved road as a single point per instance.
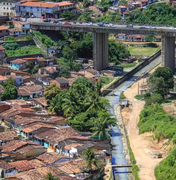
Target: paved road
(92, 24)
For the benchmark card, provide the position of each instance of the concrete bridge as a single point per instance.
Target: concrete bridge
(100, 39)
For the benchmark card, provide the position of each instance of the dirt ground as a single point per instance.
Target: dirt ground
(143, 146)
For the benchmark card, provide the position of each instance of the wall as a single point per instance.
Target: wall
(131, 73)
(8, 59)
(20, 43)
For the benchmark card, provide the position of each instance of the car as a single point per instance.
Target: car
(143, 27)
(46, 20)
(33, 16)
(42, 17)
(90, 23)
(55, 21)
(67, 23)
(101, 24)
(74, 22)
(129, 25)
(80, 22)
(111, 25)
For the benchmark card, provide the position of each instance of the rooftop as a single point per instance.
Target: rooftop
(18, 61)
(3, 78)
(60, 80)
(7, 136)
(50, 157)
(41, 101)
(2, 48)
(2, 28)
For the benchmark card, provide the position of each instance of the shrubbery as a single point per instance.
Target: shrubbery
(154, 118)
(166, 168)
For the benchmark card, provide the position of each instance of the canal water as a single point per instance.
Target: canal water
(118, 157)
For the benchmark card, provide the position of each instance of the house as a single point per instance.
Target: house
(61, 83)
(122, 9)
(19, 73)
(7, 136)
(18, 64)
(4, 31)
(25, 165)
(4, 71)
(53, 73)
(46, 9)
(3, 79)
(135, 37)
(42, 62)
(29, 130)
(5, 169)
(50, 158)
(20, 149)
(56, 120)
(94, 9)
(121, 36)
(9, 7)
(23, 27)
(53, 51)
(39, 173)
(39, 103)
(27, 79)
(4, 106)
(52, 138)
(29, 92)
(18, 80)
(2, 54)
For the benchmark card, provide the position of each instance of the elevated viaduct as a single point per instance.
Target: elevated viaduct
(100, 39)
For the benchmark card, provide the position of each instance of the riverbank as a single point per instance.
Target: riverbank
(143, 146)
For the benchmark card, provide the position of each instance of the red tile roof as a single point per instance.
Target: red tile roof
(2, 28)
(32, 88)
(36, 126)
(69, 146)
(18, 61)
(2, 78)
(2, 48)
(50, 157)
(8, 136)
(55, 136)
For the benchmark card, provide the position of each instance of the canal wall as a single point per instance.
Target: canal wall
(130, 74)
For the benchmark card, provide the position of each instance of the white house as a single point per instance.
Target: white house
(9, 7)
(47, 9)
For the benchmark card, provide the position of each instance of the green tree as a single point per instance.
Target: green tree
(83, 80)
(154, 98)
(91, 159)
(35, 69)
(49, 176)
(149, 38)
(10, 90)
(101, 124)
(161, 81)
(51, 91)
(122, 3)
(68, 15)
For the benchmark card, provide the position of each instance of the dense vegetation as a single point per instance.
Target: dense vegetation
(10, 90)
(161, 81)
(166, 168)
(25, 50)
(82, 105)
(156, 14)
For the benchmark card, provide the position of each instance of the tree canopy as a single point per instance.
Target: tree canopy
(161, 81)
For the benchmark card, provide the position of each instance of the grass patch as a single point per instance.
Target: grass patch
(139, 96)
(106, 79)
(26, 50)
(145, 51)
(135, 168)
(128, 65)
(122, 96)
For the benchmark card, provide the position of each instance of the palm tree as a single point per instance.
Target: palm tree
(101, 124)
(91, 159)
(50, 177)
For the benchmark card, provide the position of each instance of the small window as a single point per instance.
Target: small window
(7, 8)
(4, 7)
(7, 3)
(3, 3)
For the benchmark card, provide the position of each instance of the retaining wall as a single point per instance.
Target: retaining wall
(131, 73)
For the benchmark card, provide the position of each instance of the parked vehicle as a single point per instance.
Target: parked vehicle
(46, 20)
(67, 23)
(129, 25)
(101, 24)
(42, 17)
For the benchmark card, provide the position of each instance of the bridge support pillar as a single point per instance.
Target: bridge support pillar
(100, 51)
(168, 52)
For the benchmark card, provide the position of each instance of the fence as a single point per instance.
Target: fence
(131, 73)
